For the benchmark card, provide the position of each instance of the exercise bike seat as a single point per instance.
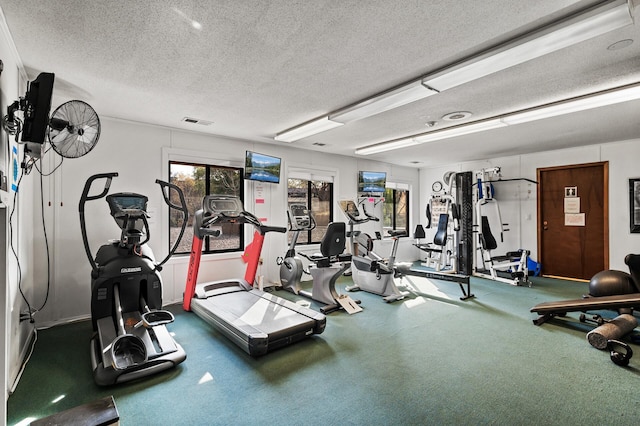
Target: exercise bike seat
(332, 246)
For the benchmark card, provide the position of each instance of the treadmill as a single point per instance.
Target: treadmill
(256, 321)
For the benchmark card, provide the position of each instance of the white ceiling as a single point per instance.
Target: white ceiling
(256, 68)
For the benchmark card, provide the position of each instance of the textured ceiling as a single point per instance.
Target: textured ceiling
(256, 68)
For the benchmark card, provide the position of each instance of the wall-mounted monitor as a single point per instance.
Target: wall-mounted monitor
(262, 168)
(372, 181)
(36, 108)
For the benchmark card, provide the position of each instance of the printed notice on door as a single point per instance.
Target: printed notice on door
(572, 205)
(574, 219)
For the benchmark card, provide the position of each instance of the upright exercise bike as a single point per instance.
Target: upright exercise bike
(131, 339)
(291, 267)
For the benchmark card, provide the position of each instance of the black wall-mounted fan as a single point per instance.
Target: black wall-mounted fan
(74, 129)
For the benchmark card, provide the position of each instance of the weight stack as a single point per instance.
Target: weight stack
(464, 199)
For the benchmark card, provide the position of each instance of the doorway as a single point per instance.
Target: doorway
(573, 220)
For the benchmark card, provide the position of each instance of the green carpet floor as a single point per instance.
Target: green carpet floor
(430, 359)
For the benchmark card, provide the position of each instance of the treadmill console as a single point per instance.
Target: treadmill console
(222, 205)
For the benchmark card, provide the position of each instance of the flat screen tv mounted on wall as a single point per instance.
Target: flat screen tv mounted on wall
(37, 107)
(261, 167)
(372, 182)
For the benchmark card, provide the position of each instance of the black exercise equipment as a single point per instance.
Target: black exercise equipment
(256, 321)
(131, 339)
(619, 358)
(603, 284)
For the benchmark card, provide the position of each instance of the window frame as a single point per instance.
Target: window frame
(307, 172)
(208, 165)
(309, 198)
(394, 211)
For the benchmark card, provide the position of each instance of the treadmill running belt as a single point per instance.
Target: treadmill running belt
(258, 322)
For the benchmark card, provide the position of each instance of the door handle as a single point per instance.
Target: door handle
(545, 225)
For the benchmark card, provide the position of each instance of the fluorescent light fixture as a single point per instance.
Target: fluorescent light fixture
(582, 27)
(432, 136)
(464, 129)
(600, 99)
(386, 146)
(307, 129)
(610, 97)
(383, 102)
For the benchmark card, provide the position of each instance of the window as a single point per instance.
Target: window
(395, 211)
(319, 195)
(196, 181)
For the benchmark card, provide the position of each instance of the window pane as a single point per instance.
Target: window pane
(297, 190)
(395, 211)
(321, 196)
(387, 210)
(401, 211)
(225, 181)
(196, 181)
(189, 178)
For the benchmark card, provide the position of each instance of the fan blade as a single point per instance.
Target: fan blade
(64, 133)
(88, 135)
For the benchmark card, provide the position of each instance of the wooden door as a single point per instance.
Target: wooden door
(573, 220)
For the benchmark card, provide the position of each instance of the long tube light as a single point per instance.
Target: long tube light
(307, 129)
(592, 23)
(583, 103)
(582, 27)
(610, 97)
(453, 132)
(386, 146)
(384, 102)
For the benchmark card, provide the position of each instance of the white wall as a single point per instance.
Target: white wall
(140, 153)
(15, 334)
(518, 203)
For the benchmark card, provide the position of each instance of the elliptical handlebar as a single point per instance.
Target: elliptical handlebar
(83, 199)
(166, 188)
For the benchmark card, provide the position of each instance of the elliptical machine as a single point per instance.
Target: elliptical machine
(131, 339)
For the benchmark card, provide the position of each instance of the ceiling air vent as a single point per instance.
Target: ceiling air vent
(197, 121)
